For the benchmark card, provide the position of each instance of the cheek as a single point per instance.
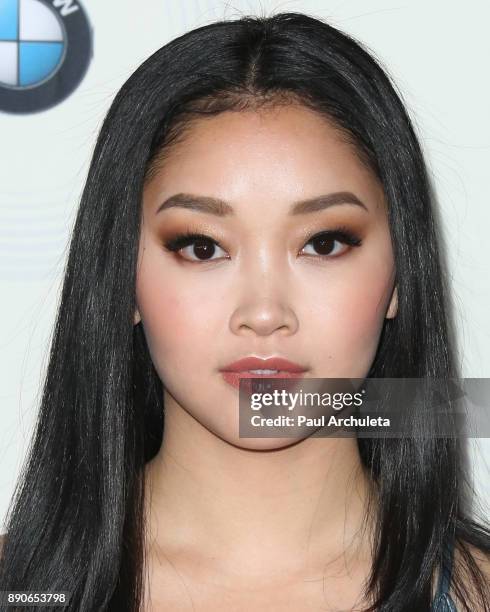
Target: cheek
(360, 321)
(364, 303)
(354, 312)
(348, 317)
(172, 313)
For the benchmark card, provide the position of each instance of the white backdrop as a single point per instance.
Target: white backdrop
(437, 52)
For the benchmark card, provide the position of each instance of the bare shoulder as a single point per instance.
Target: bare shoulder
(471, 594)
(481, 558)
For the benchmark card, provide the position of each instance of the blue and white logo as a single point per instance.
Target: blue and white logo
(32, 40)
(45, 49)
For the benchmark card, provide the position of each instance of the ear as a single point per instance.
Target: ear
(137, 317)
(393, 307)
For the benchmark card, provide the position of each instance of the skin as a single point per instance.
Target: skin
(296, 513)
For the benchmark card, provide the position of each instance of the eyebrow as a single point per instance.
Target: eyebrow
(220, 208)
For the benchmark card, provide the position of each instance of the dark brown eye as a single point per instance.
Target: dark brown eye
(324, 245)
(194, 247)
(332, 243)
(203, 249)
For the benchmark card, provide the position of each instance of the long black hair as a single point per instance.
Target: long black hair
(76, 522)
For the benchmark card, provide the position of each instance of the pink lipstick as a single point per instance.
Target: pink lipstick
(255, 367)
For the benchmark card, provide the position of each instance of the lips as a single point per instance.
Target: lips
(241, 369)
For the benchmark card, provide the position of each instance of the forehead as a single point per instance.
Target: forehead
(284, 153)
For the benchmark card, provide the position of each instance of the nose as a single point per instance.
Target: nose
(264, 312)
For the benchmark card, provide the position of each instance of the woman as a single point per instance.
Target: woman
(257, 191)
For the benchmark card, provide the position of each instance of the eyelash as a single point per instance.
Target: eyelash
(338, 234)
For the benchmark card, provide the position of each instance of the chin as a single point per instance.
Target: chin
(261, 444)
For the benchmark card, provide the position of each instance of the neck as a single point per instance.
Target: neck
(266, 512)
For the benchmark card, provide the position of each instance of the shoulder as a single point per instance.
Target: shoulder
(481, 558)
(472, 566)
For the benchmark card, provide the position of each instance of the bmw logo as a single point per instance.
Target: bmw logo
(45, 50)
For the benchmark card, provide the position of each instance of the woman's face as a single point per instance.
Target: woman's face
(261, 185)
